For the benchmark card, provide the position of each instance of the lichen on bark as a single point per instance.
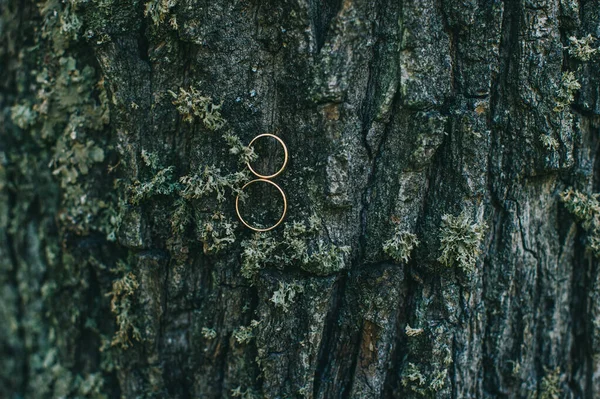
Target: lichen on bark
(124, 138)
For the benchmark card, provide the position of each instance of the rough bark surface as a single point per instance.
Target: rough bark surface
(124, 271)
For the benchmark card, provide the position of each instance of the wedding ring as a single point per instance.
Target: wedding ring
(237, 208)
(285, 153)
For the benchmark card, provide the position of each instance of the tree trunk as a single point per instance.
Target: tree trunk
(442, 233)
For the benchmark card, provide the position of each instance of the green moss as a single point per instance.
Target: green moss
(460, 241)
(566, 91)
(285, 295)
(191, 103)
(582, 49)
(400, 245)
(586, 208)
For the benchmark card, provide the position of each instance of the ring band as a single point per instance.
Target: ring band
(285, 152)
(237, 208)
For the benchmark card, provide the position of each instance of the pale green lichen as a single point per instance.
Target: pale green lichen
(248, 393)
(71, 103)
(60, 23)
(550, 385)
(412, 332)
(208, 333)
(181, 216)
(23, 115)
(217, 233)
(326, 258)
(425, 378)
(173, 22)
(400, 246)
(582, 49)
(299, 246)
(73, 160)
(245, 153)
(586, 208)
(304, 392)
(285, 295)
(158, 10)
(244, 334)
(413, 378)
(549, 142)
(162, 183)
(59, 125)
(121, 301)
(460, 241)
(191, 103)
(515, 368)
(566, 91)
(55, 380)
(438, 380)
(256, 253)
(210, 180)
(151, 159)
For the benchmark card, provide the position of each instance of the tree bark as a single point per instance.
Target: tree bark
(126, 273)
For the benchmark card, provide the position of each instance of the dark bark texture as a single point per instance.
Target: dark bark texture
(470, 126)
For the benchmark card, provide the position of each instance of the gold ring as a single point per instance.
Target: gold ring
(285, 152)
(237, 208)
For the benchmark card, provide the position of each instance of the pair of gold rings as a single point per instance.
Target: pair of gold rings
(265, 179)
